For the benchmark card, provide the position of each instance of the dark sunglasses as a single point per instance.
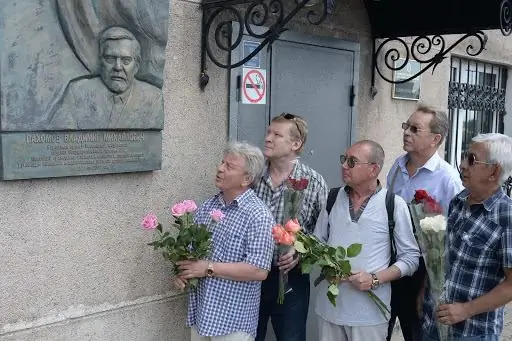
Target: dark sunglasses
(472, 160)
(352, 161)
(412, 128)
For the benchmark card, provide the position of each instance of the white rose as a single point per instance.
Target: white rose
(436, 223)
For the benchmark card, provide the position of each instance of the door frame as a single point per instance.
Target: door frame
(294, 37)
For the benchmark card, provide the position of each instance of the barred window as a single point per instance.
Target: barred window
(476, 103)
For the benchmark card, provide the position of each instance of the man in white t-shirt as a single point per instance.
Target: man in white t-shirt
(359, 216)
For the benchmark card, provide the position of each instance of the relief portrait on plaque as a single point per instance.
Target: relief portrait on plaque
(83, 64)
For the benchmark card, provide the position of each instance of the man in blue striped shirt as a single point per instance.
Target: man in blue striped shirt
(420, 168)
(226, 303)
(479, 246)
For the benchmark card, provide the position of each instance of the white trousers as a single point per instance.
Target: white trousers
(328, 331)
(238, 336)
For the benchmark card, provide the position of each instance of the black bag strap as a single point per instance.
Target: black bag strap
(331, 199)
(390, 208)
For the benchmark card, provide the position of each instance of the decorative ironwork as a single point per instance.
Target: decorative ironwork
(506, 17)
(476, 97)
(218, 16)
(422, 50)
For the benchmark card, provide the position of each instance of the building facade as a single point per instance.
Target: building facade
(76, 264)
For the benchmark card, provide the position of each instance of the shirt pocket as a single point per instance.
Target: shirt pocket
(229, 247)
(481, 240)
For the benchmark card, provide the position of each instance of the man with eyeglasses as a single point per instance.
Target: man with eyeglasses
(285, 140)
(479, 247)
(420, 168)
(357, 217)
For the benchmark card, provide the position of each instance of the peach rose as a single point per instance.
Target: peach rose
(292, 226)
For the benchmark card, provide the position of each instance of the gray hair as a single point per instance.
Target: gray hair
(440, 124)
(254, 160)
(499, 150)
(377, 154)
(119, 33)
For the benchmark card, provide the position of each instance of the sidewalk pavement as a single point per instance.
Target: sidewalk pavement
(507, 328)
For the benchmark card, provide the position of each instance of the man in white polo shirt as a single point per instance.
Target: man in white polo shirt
(359, 216)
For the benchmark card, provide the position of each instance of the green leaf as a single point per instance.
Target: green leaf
(354, 250)
(333, 289)
(299, 247)
(340, 253)
(331, 298)
(346, 267)
(305, 267)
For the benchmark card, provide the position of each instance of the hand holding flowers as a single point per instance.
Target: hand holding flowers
(335, 267)
(186, 251)
(284, 237)
(430, 222)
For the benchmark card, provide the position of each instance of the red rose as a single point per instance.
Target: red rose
(297, 184)
(430, 206)
(302, 184)
(421, 195)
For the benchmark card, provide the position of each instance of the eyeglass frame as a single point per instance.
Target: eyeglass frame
(353, 163)
(414, 129)
(472, 160)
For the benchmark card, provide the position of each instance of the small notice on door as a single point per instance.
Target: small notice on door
(254, 86)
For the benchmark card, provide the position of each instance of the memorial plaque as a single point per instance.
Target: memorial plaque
(55, 154)
(81, 87)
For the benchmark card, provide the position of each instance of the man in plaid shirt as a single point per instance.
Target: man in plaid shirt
(284, 142)
(225, 305)
(479, 246)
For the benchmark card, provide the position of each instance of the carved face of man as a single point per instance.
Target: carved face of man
(118, 64)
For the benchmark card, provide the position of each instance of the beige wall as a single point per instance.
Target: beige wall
(75, 262)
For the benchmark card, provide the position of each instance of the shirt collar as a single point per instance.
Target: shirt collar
(488, 203)
(238, 201)
(295, 174)
(432, 164)
(348, 189)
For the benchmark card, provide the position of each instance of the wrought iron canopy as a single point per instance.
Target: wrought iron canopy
(390, 20)
(273, 15)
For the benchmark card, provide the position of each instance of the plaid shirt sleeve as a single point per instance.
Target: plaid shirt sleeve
(260, 244)
(505, 252)
(322, 191)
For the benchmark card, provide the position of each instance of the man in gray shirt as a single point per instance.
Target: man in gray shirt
(358, 216)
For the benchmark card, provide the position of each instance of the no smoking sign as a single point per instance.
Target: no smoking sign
(254, 86)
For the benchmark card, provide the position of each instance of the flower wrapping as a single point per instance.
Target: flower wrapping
(430, 223)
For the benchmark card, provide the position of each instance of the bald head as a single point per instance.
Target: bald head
(375, 152)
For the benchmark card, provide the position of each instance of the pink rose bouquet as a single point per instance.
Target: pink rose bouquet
(193, 241)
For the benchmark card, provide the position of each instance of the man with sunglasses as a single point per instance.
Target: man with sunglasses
(357, 217)
(479, 247)
(285, 140)
(420, 168)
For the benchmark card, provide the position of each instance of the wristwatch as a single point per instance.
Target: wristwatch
(375, 281)
(210, 270)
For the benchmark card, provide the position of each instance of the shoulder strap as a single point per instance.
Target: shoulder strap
(331, 199)
(390, 208)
